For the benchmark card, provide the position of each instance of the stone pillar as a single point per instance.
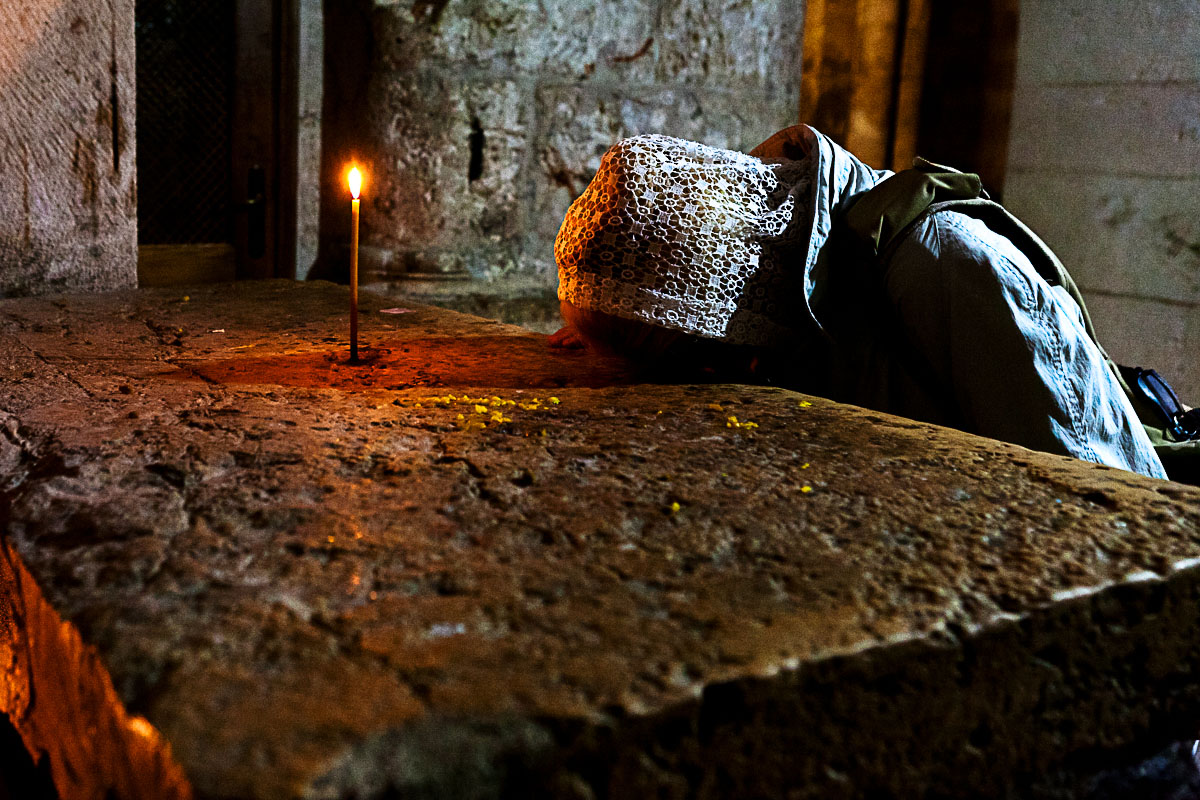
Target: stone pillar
(1104, 163)
(308, 133)
(68, 197)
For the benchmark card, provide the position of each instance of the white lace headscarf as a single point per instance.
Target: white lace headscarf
(672, 233)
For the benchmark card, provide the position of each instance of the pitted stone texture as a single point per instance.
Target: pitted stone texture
(612, 42)
(747, 43)
(557, 38)
(581, 123)
(319, 580)
(425, 202)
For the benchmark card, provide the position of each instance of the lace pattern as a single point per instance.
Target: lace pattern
(687, 237)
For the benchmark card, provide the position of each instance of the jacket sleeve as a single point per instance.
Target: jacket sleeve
(1009, 349)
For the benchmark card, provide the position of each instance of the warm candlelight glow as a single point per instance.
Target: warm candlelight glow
(355, 181)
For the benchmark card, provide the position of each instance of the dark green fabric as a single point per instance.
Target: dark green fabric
(879, 219)
(880, 215)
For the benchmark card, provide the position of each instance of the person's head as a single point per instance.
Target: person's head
(662, 255)
(663, 352)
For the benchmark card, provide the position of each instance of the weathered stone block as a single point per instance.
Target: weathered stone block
(580, 123)
(68, 217)
(448, 171)
(1149, 333)
(1124, 235)
(609, 40)
(1122, 130)
(529, 94)
(745, 43)
(1085, 41)
(474, 567)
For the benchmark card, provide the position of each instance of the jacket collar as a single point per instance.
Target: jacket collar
(838, 177)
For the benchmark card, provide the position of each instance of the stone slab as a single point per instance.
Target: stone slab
(472, 567)
(521, 300)
(1085, 41)
(1151, 333)
(1122, 235)
(1129, 130)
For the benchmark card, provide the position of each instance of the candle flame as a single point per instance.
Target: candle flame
(355, 182)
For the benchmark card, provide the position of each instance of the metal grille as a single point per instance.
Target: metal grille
(185, 60)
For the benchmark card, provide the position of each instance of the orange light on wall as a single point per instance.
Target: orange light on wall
(354, 179)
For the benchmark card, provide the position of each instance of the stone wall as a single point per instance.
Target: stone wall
(310, 86)
(486, 118)
(68, 205)
(1104, 162)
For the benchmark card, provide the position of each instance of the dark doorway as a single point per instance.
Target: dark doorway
(216, 140)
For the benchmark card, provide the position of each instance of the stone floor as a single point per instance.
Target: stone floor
(237, 566)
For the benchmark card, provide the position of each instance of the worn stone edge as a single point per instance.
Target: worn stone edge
(1038, 682)
(60, 698)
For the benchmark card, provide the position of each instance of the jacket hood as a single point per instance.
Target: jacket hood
(837, 177)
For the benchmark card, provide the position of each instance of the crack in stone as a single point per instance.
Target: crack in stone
(55, 368)
(191, 370)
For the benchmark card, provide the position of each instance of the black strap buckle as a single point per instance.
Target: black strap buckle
(1188, 424)
(1182, 423)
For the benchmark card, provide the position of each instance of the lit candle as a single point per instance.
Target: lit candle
(355, 181)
